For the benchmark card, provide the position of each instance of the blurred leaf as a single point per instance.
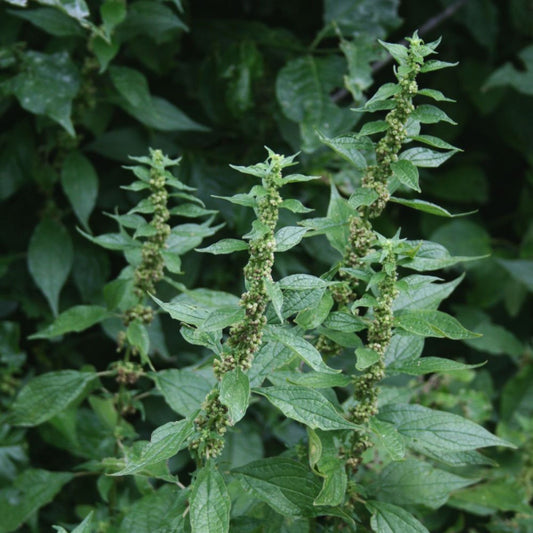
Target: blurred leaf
(31, 490)
(80, 183)
(44, 396)
(46, 85)
(75, 319)
(413, 482)
(50, 258)
(51, 21)
(388, 518)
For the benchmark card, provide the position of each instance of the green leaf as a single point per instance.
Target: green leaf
(86, 526)
(397, 51)
(165, 442)
(162, 115)
(509, 75)
(294, 206)
(435, 64)
(160, 510)
(302, 282)
(496, 495)
(46, 85)
(362, 196)
(298, 345)
(315, 380)
(222, 318)
(49, 394)
(407, 173)
(303, 89)
(152, 19)
(288, 237)
(520, 269)
(113, 12)
(224, 246)
(307, 406)
(132, 86)
(75, 319)
(362, 17)
(113, 241)
(138, 338)
(429, 114)
(438, 430)
(185, 312)
(433, 256)
(80, 183)
(419, 292)
(346, 322)
(365, 358)
(51, 21)
(413, 482)
(429, 323)
(287, 486)
(209, 502)
(50, 258)
(346, 146)
(376, 126)
(435, 95)
(427, 207)
(184, 390)
(430, 140)
(388, 518)
(31, 490)
(386, 436)
(423, 157)
(383, 93)
(235, 394)
(430, 365)
(333, 491)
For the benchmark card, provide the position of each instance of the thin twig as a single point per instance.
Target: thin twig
(428, 26)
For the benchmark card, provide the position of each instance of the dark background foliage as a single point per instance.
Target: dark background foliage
(227, 72)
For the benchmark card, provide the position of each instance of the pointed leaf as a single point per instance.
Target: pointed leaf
(224, 246)
(50, 258)
(427, 207)
(75, 319)
(184, 390)
(413, 482)
(209, 502)
(307, 406)
(298, 345)
(235, 394)
(389, 518)
(47, 395)
(285, 485)
(438, 430)
(429, 323)
(429, 114)
(430, 365)
(424, 157)
(165, 442)
(407, 173)
(31, 490)
(288, 237)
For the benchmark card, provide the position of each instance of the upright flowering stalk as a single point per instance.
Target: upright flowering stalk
(390, 169)
(245, 336)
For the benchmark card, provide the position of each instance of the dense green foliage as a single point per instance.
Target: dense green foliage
(329, 334)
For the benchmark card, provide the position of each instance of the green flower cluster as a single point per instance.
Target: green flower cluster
(376, 176)
(245, 336)
(151, 268)
(379, 336)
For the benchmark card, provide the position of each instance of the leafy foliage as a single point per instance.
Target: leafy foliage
(353, 375)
